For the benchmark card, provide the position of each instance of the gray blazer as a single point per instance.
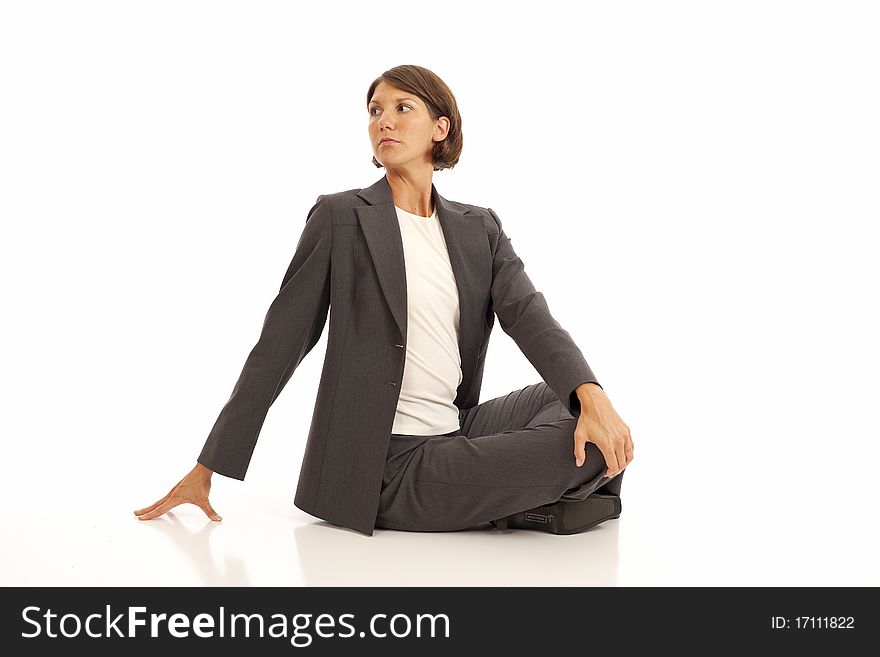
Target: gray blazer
(349, 260)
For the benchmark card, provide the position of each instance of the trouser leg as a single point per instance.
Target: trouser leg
(613, 486)
(514, 452)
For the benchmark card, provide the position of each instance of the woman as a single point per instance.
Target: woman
(413, 282)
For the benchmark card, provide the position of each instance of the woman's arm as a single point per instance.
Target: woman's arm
(292, 326)
(525, 317)
(523, 314)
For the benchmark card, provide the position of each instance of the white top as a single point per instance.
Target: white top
(432, 372)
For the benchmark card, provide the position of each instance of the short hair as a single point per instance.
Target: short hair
(440, 102)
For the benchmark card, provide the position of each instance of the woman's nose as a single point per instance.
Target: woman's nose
(384, 121)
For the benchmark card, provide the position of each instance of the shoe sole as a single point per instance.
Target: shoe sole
(565, 517)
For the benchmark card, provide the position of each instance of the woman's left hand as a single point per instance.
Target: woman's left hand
(599, 423)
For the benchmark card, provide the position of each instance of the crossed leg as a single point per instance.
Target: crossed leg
(514, 452)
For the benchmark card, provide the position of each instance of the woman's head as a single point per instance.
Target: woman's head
(413, 106)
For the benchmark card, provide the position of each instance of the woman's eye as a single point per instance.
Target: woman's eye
(373, 109)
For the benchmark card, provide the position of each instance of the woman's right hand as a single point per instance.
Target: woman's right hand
(193, 488)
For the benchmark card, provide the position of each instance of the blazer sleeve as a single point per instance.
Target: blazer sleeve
(523, 314)
(292, 326)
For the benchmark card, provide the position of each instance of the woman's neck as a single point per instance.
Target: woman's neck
(412, 193)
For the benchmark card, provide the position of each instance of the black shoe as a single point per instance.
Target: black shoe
(564, 516)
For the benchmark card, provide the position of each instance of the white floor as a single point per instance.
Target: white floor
(662, 538)
(781, 493)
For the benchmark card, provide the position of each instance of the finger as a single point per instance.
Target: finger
(209, 511)
(579, 452)
(629, 450)
(155, 504)
(611, 461)
(621, 457)
(151, 507)
(158, 511)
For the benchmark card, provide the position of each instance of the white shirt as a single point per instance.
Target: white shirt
(432, 372)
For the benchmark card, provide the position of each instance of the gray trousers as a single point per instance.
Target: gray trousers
(512, 453)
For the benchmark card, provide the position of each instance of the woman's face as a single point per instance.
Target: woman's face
(404, 118)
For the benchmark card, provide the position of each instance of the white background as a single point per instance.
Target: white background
(693, 186)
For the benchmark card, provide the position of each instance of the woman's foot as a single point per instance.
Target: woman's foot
(565, 516)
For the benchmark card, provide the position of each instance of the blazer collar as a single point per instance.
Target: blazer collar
(380, 192)
(468, 250)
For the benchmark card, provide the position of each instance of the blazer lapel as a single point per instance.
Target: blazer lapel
(468, 256)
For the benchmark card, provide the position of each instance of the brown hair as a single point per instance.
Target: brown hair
(440, 101)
